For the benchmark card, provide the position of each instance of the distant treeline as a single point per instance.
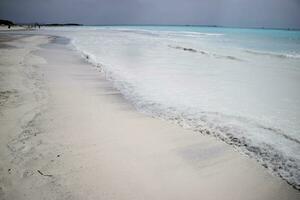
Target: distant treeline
(10, 23)
(55, 24)
(69, 24)
(6, 22)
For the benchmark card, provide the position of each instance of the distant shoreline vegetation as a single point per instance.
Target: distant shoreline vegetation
(68, 24)
(11, 23)
(8, 22)
(54, 24)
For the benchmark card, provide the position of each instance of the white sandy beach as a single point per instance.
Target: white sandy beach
(66, 133)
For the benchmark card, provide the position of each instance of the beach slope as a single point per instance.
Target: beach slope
(66, 133)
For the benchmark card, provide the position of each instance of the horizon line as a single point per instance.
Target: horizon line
(195, 25)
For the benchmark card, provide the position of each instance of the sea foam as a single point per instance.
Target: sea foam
(241, 86)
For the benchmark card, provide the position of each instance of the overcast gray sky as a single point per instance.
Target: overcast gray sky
(243, 13)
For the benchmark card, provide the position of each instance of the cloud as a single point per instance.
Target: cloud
(253, 13)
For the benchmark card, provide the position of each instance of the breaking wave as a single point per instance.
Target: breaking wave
(216, 124)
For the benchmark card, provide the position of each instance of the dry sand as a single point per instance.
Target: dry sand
(65, 133)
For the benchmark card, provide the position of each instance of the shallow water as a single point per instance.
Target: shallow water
(241, 85)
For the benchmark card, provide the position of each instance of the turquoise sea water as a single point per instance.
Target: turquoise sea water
(273, 40)
(240, 85)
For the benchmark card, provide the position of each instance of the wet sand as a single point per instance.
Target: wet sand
(66, 133)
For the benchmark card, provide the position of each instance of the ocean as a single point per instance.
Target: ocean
(239, 85)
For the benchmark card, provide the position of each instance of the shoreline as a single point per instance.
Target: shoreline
(270, 158)
(85, 139)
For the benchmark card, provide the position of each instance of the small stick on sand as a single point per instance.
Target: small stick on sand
(41, 173)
